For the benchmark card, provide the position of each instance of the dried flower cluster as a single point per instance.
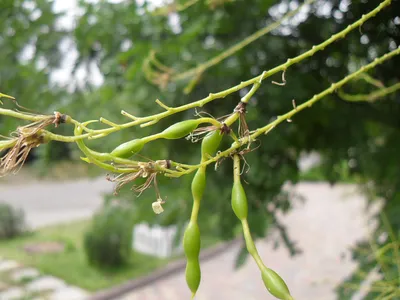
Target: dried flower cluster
(23, 140)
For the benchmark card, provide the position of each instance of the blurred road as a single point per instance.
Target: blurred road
(47, 203)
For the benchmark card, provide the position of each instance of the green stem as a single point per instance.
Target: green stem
(212, 96)
(94, 160)
(63, 138)
(251, 246)
(280, 119)
(235, 48)
(6, 144)
(371, 96)
(372, 81)
(236, 169)
(331, 89)
(232, 119)
(283, 67)
(20, 115)
(253, 89)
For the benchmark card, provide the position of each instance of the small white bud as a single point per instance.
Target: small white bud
(157, 208)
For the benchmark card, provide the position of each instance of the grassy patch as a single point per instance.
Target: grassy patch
(71, 264)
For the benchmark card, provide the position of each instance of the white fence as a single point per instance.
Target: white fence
(155, 240)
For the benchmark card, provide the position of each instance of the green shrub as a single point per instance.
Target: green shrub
(12, 221)
(108, 242)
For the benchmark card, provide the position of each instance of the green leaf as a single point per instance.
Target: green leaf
(242, 256)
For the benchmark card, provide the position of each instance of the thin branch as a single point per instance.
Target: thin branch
(371, 97)
(235, 48)
(173, 7)
(211, 96)
(298, 108)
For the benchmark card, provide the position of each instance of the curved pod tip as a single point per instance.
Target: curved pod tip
(275, 284)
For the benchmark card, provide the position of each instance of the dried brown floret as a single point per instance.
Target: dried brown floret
(17, 155)
(148, 170)
(25, 139)
(243, 128)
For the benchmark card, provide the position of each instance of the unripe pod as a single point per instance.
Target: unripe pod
(127, 149)
(239, 201)
(193, 275)
(210, 143)
(180, 129)
(191, 241)
(275, 284)
(191, 246)
(199, 184)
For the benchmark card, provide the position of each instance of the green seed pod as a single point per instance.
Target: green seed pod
(199, 184)
(180, 129)
(239, 201)
(127, 149)
(210, 143)
(275, 284)
(193, 275)
(191, 246)
(191, 241)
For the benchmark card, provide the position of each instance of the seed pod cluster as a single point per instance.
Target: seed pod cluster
(175, 131)
(191, 238)
(272, 281)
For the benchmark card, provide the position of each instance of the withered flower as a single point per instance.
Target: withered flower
(16, 156)
(200, 132)
(243, 128)
(147, 170)
(25, 139)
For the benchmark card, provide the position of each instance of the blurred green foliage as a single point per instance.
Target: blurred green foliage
(116, 38)
(12, 222)
(108, 241)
